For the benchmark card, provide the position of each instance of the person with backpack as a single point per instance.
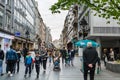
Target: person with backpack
(37, 64)
(11, 59)
(1, 60)
(28, 64)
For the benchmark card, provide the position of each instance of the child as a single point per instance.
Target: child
(37, 63)
(28, 64)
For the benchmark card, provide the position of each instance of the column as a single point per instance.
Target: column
(99, 48)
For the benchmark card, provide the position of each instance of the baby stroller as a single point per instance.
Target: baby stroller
(56, 61)
(56, 64)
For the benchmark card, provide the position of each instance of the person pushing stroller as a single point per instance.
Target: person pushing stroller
(56, 60)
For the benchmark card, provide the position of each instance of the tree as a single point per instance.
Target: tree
(103, 8)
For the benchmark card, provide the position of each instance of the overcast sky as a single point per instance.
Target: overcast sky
(54, 21)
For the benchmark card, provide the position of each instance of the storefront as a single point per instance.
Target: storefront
(20, 43)
(5, 41)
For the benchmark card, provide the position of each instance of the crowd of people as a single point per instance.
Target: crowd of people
(38, 58)
(34, 58)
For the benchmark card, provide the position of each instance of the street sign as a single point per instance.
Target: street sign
(17, 33)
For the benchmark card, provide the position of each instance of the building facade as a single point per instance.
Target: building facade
(21, 24)
(6, 28)
(38, 39)
(79, 26)
(70, 27)
(24, 23)
(107, 35)
(57, 43)
(48, 39)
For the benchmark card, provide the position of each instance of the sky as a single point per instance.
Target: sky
(54, 21)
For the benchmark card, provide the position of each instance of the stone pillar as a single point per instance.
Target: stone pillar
(99, 48)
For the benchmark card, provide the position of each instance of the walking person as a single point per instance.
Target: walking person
(44, 57)
(105, 56)
(1, 61)
(50, 56)
(18, 62)
(11, 59)
(37, 64)
(90, 57)
(28, 64)
(72, 57)
(63, 53)
(25, 51)
(98, 65)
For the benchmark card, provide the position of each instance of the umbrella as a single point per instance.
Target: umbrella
(83, 43)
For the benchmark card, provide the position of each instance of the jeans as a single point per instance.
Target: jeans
(18, 66)
(37, 69)
(50, 59)
(28, 68)
(44, 64)
(11, 65)
(1, 68)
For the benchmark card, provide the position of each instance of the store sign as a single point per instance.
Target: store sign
(17, 33)
(6, 36)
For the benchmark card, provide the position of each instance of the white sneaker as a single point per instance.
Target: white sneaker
(11, 75)
(9, 72)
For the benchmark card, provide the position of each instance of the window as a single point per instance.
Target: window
(9, 2)
(8, 19)
(0, 21)
(1, 18)
(3, 1)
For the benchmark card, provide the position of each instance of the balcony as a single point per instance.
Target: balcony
(8, 7)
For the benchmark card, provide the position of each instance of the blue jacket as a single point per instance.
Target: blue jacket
(28, 60)
(11, 55)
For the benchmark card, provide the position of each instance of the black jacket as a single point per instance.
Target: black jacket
(37, 60)
(1, 54)
(90, 56)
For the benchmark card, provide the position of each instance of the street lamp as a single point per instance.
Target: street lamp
(27, 37)
(83, 24)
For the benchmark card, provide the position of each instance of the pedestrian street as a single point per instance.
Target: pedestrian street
(66, 73)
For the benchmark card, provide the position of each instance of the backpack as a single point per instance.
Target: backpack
(1, 54)
(28, 59)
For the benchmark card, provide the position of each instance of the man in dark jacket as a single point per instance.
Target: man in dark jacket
(63, 53)
(90, 57)
(1, 60)
(25, 51)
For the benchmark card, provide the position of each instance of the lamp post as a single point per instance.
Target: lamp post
(83, 24)
(27, 36)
